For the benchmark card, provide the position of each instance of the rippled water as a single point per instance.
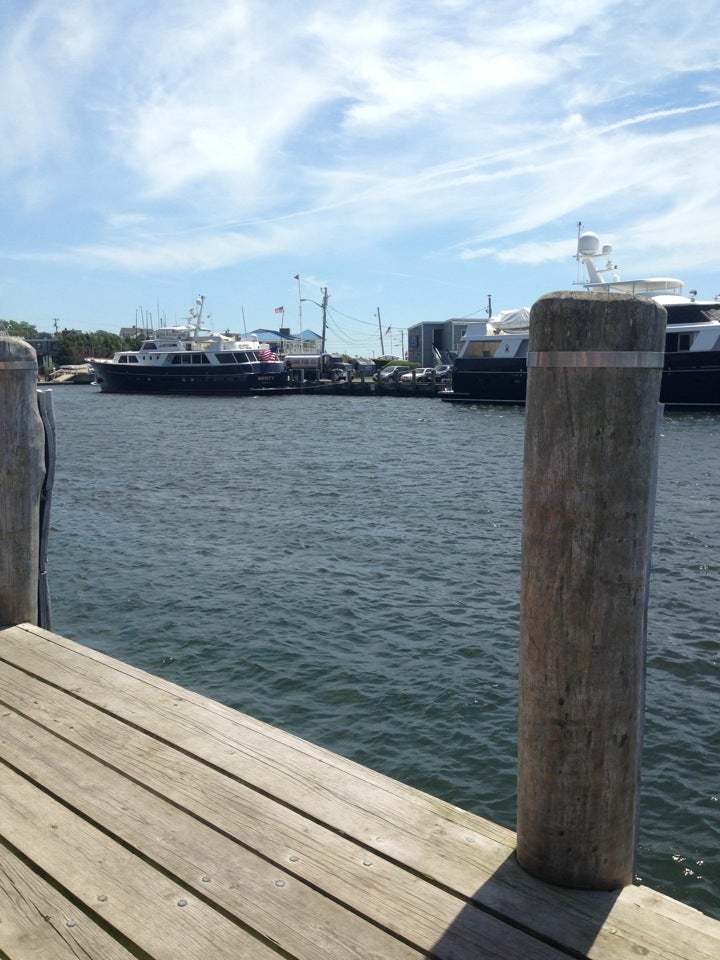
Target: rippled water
(348, 569)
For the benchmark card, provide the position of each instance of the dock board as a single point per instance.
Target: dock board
(138, 819)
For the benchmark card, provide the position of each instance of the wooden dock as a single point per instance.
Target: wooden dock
(141, 820)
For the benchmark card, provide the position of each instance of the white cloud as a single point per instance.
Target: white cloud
(44, 49)
(193, 135)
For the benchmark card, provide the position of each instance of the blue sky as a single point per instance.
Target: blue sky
(412, 157)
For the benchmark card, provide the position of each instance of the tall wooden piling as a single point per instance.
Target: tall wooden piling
(22, 469)
(592, 416)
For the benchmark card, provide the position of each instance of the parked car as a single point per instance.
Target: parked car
(443, 372)
(422, 375)
(388, 373)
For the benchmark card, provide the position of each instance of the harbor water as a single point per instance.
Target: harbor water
(348, 569)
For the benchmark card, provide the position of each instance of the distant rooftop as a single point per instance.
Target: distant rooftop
(262, 334)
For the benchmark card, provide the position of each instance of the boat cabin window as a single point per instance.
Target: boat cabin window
(187, 359)
(239, 356)
(128, 358)
(677, 342)
(692, 313)
(482, 348)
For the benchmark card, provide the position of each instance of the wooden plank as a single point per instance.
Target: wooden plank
(204, 828)
(152, 912)
(401, 824)
(37, 921)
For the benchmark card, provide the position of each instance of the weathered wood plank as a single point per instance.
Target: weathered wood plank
(258, 896)
(399, 824)
(154, 912)
(37, 922)
(265, 843)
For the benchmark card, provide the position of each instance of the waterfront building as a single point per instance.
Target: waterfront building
(429, 338)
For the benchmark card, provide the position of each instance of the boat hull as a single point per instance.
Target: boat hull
(688, 380)
(200, 381)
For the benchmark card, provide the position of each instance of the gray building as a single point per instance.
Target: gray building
(427, 339)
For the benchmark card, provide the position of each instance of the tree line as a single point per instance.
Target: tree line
(73, 346)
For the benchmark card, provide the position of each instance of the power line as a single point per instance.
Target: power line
(347, 316)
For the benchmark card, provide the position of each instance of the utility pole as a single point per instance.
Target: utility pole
(324, 310)
(323, 306)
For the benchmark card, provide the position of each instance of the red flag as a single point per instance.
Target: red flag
(279, 309)
(387, 331)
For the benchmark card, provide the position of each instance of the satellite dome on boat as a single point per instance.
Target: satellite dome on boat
(589, 246)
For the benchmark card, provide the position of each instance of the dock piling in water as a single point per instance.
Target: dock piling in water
(591, 436)
(22, 470)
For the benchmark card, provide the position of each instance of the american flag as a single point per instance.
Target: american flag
(266, 354)
(279, 309)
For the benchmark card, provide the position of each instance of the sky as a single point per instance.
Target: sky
(413, 157)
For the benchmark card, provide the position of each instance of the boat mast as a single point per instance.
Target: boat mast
(382, 346)
(196, 315)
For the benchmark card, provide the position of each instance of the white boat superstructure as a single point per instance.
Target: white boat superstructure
(589, 249)
(491, 362)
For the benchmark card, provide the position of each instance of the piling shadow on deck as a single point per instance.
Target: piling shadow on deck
(138, 819)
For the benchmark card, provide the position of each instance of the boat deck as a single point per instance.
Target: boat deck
(140, 820)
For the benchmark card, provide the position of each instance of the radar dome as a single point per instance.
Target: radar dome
(588, 245)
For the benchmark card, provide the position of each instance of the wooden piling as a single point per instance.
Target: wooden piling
(22, 469)
(47, 415)
(592, 417)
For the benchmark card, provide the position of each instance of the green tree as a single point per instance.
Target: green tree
(16, 328)
(75, 347)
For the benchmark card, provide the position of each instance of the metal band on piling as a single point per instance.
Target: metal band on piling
(635, 359)
(18, 365)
